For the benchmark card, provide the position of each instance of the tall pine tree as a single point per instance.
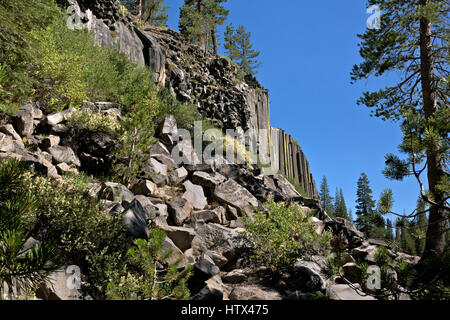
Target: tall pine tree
(412, 42)
(340, 206)
(240, 49)
(199, 20)
(325, 199)
(364, 205)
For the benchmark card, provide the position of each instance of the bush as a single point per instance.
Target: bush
(94, 121)
(283, 234)
(147, 274)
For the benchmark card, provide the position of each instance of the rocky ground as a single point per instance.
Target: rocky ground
(199, 206)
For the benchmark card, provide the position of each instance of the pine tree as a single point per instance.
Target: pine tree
(240, 49)
(20, 267)
(389, 231)
(421, 223)
(325, 198)
(350, 215)
(412, 42)
(217, 16)
(340, 206)
(406, 241)
(153, 12)
(364, 205)
(199, 20)
(150, 274)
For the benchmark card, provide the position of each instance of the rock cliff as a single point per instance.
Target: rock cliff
(220, 90)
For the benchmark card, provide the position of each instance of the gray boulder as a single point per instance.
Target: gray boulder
(177, 176)
(180, 210)
(157, 172)
(195, 195)
(64, 154)
(234, 277)
(23, 121)
(208, 180)
(235, 195)
(145, 188)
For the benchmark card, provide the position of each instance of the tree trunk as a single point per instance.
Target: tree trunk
(437, 224)
(200, 10)
(214, 39)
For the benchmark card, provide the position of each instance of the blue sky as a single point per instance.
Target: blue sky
(308, 49)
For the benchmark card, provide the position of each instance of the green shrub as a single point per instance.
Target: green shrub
(24, 268)
(143, 279)
(136, 139)
(94, 121)
(284, 235)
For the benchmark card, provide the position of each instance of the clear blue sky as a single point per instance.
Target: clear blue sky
(308, 49)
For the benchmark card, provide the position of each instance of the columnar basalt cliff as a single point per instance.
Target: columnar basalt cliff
(220, 90)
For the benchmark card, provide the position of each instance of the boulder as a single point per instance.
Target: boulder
(214, 290)
(115, 192)
(23, 121)
(307, 276)
(352, 272)
(285, 187)
(320, 225)
(184, 154)
(159, 149)
(62, 284)
(145, 188)
(178, 176)
(50, 141)
(234, 277)
(8, 129)
(338, 226)
(64, 154)
(175, 253)
(182, 237)
(168, 130)
(208, 180)
(195, 195)
(344, 292)
(152, 211)
(254, 292)
(180, 210)
(205, 267)
(218, 259)
(157, 172)
(57, 117)
(207, 216)
(64, 167)
(135, 220)
(235, 195)
(230, 243)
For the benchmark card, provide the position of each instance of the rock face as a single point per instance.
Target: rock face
(211, 82)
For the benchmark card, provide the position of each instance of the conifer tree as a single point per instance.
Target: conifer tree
(21, 266)
(325, 198)
(412, 41)
(364, 204)
(199, 20)
(421, 225)
(240, 49)
(340, 206)
(389, 231)
(153, 12)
